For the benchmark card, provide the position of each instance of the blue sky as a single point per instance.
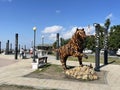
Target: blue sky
(51, 17)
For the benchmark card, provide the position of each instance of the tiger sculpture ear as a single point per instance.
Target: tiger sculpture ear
(82, 29)
(77, 29)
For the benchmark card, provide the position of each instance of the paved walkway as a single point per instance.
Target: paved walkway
(13, 74)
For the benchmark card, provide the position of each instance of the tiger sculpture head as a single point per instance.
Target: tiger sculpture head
(80, 34)
(78, 37)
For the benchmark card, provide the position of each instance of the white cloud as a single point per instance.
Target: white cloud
(52, 29)
(90, 31)
(109, 16)
(69, 33)
(58, 11)
(6, 0)
(10, 0)
(52, 36)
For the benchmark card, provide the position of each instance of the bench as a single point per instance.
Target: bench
(41, 61)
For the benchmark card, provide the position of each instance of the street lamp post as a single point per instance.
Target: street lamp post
(107, 24)
(42, 40)
(34, 29)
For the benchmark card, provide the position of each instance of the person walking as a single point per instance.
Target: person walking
(31, 52)
(22, 53)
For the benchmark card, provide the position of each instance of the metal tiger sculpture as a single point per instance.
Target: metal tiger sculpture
(73, 48)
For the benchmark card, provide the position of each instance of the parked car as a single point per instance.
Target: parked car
(102, 51)
(87, 51)
(112, 52)
(118, 52)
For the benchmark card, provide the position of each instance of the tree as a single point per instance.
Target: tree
(62, 42)
(114, 37)
(90, 42)
(107, 23)
(54, 44)
(101, 33)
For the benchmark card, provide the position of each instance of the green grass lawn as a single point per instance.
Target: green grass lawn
(91, 58)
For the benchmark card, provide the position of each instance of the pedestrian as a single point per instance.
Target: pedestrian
(22, 53)
(31, 51)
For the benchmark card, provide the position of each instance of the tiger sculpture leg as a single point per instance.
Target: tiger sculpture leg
(63, 61)
(77, 54)
(64, 52)
(80, 60)
(80, 55)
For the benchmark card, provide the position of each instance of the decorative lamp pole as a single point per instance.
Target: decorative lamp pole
(34, 29)
(97, 45)
(107, 24)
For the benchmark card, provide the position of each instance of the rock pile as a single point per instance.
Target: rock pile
(82, 72)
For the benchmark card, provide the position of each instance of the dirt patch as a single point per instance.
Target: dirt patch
(52, 71)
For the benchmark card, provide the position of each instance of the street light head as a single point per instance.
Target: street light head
(34, 28)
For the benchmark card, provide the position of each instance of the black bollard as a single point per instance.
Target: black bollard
(11, 48)
(61, 42)
(57, 53)
(0, 47)
(8, 47)
(16, 46)
(19, 48)
(97, 48)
